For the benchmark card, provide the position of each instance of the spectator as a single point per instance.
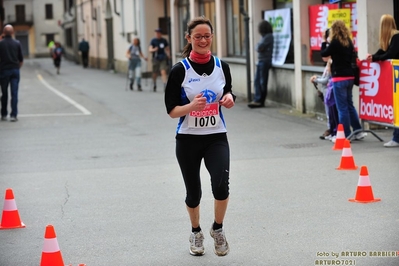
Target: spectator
(50, 47)
(265, 53)
(11, 61)
(389, 49)
(84, 48)
(159, 47)
(197, 88)
(134, 54)
(329, 102)
(341, 49)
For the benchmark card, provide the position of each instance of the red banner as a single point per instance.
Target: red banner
(318, 18)
(376, 91)
(353, 8)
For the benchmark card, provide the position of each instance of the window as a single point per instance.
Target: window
(49, 38)
(315, 56)
(49, 11)
(235, 28)
(184, 17)
(20, 13)
(207, 9)
(68, 37)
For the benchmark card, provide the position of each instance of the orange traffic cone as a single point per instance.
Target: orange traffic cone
(364, 192)
(10, 218)
(51, 254)
(340, 138)
(347, 161)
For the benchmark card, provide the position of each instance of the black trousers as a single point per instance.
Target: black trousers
(85, 59)
(214, 149)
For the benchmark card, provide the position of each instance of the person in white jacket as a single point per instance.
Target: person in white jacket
(328, 99)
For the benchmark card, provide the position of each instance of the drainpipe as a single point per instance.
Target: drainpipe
(82, 17)
(116, 12)
(122, 18)
(165, 2)
(1, 16)
(135, 18)
(94, 17)
(248, 58)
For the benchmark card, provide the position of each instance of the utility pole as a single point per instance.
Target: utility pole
(1, 16)
(247, 55)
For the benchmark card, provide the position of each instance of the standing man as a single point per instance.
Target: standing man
(159, 47)
(84, 49)
(11, 61)
(265, 54)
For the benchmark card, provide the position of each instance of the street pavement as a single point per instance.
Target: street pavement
(97, 161)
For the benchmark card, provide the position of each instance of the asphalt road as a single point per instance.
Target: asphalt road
(97, 162)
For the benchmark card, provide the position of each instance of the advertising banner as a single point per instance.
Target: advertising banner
(321, 18)
(280, 19)
(318, 23)
(339, 14)
(395, 64)
(376, 91)
(353, 8)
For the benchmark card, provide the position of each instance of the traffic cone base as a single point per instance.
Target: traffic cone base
(347, 161)
(340, 138)
(364, 192)
(10, 218)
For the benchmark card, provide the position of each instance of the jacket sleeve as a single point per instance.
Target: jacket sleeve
(391, 52)
(323, 80)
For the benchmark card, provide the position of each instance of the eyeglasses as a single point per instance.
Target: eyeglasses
(199, 37)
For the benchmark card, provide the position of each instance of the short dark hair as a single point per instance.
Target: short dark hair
(265, 27)
(327, 33)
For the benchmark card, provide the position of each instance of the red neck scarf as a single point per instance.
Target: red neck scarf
(200, 58)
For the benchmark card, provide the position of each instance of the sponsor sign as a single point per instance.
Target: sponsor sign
(395, 64)
(280, 19)
(322, 16)
(376, 91)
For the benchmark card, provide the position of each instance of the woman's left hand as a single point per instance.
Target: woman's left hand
(227, 101)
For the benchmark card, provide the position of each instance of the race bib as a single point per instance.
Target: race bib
(209, 117)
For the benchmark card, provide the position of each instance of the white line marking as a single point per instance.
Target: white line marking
(63, 96)
(60, 114)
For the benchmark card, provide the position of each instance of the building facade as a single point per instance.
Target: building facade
(110, 25)
(35, 22)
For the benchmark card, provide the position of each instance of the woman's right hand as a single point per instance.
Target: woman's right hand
(312, 79)
(198, 103)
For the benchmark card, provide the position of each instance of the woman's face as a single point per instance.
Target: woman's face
(200, 38)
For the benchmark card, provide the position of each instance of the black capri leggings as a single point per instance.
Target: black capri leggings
(214, 149)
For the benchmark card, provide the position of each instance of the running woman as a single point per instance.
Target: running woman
(197, 89)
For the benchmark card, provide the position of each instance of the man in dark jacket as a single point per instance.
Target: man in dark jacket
(84, 49)
(11, 61)
(265, 54)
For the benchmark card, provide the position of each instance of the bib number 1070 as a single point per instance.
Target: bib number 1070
(207, 121)
(209, 117)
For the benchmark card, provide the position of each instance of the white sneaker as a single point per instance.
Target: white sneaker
(221, 245)
(391, 144)
(333, 139)
(197, 244)
(328, 137)
(360, 135)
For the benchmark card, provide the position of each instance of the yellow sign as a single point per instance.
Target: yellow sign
(339, 14)
(395, 64)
